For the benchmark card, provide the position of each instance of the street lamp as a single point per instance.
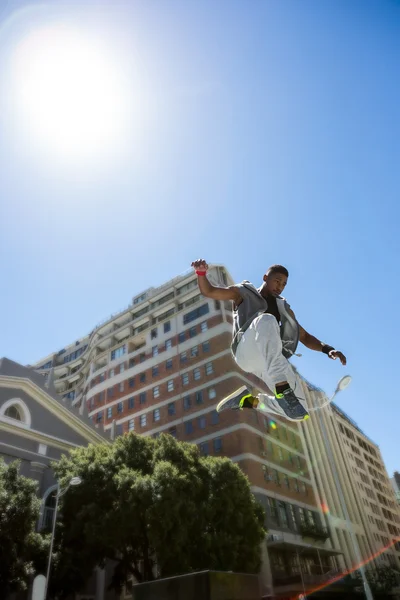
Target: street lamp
(60, 492)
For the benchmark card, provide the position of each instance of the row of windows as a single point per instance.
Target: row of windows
(75, 354)
(273, 451)
(196, 374)
(183, 335)
(282, 479)
(188, 401)
(286, 515)
(190, 426)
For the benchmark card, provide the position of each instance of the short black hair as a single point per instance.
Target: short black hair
(278, 269)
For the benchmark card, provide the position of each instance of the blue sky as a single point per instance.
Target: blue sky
(256, 133)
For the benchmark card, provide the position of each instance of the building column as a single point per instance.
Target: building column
(100, 583)
(265, 575)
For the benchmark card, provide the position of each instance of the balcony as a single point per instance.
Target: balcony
(313, 531)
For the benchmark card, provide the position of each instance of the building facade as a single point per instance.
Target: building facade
(354, 487)
(37, 428)
(395, 481)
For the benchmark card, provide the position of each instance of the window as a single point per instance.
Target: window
(122, 368)
(199, 397)
(192, 331)
(282, 514)
(172, 431)
(275, 477)
(154, 351)
(188, 427)
(168, 344)
(203, 447)
(204, 326)
(153, 333)
(196, 313)
(131, 424)
(156, 391)
(167, 326)
(111, 373)
(201, 422)
(293, 517)
(131, 402)
(143, 420)
(214, 417)
(311, 518)
(302, 515)
(170, 385)
(131, 362)
(197, 374)
(118, 352)
(194, 351)
(110, 392)
(121, 386)
(142, 397)
(212, 393)
(303, 488)
(171, 408)
(183, 357)
(186, 402)
(185, 379)
(206, 346)
(209, 368)
(120, 407)
(99, 417)
(272, 508)
(142, 357)
(142, 377)
(280, 453)
(156, 414)
(109, 412)
(296, 485)
(182, 337)
(286, 481)
(13, 412)
(217, 445)
(119, 429)
(154, 371)
(169, 364)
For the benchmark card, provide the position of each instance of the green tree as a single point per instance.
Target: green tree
(20, 546)
(155, 501)
(382, 579)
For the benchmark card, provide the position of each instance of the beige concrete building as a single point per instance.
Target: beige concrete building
(369, 499)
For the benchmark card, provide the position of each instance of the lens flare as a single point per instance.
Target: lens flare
(273, 425)
(346, 572)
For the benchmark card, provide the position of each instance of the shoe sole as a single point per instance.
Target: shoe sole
(292, 418)
(223, 404)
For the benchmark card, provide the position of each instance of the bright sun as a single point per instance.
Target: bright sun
(69, 96)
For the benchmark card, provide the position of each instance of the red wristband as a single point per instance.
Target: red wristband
(201, 273)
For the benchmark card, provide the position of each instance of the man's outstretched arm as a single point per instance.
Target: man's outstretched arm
(310, 341)
(214, 291)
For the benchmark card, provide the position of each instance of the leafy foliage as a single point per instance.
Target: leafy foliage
(145, 503)
(21, 548)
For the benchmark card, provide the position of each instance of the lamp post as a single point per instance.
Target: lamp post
(60, 492)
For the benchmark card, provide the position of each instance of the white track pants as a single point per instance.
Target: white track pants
(260, 352)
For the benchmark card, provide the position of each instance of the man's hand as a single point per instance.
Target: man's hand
(334, 354)
(199, 265)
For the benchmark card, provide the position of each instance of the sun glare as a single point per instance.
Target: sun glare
(70, 97)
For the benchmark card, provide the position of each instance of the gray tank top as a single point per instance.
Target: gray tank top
(254, 304)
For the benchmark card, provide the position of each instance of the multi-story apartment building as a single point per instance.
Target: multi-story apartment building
(161, 365)
(354, 487)
(395, 481)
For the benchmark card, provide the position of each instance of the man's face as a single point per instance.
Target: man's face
(275, 283)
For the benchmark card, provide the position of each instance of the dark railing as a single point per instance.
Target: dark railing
(314, 531)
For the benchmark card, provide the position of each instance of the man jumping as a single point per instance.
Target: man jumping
(265, 334)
